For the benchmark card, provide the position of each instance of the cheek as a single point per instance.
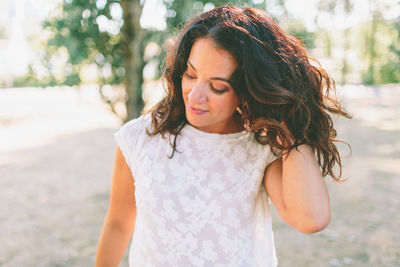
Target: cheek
(185, 89)
(226, 105)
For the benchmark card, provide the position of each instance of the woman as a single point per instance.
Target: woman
(245, 120)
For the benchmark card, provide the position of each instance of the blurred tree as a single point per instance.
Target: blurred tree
(3, 33)
(390, 71)
(279, 12)
(330, 8)
(108, 34)
(370, 41)
(133, 39)
(382, 45)
(376, 41)
(296, 28)
(348, 8)
(325, 8)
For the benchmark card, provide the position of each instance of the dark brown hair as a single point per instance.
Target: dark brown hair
(275, 82)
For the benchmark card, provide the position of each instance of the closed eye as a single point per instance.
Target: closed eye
(217, 91)
(188, 76)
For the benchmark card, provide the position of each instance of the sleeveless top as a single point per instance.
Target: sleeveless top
(206, 206)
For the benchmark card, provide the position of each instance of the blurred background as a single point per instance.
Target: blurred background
(72, 71)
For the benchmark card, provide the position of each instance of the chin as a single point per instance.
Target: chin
(196, 121)
(193, 121)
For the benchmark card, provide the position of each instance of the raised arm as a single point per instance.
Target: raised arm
(119, 222)
(298, 190)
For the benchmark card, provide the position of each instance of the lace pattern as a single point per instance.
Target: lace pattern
(204, 207)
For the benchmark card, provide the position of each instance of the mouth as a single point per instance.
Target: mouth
(196, 110)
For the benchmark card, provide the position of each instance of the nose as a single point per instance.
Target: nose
(197, 94)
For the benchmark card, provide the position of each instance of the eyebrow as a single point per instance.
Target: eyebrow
(212, 78)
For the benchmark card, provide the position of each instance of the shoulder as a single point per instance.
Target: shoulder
(133, 133)
(264, 152)
(132, 137)
(137, 124)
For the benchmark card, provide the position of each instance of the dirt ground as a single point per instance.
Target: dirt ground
(56, 155)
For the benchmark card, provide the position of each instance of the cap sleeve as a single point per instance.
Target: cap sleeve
(130, 139)
(269, 156)
(272, 157)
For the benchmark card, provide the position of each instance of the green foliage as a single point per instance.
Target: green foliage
(390, 71)
(76, 29)
(367, 52)
(3, 33)
(78, 34)
(381, 51)
(296, 28)
(180, 11)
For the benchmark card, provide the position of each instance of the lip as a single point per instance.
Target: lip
(196, 110)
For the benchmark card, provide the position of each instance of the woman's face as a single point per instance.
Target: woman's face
(210, 101)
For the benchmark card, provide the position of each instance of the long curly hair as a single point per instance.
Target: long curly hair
(275, 82)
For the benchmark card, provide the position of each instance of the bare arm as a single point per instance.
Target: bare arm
(298, 190)
(119, 222)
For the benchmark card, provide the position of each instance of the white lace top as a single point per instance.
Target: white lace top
(204, 207)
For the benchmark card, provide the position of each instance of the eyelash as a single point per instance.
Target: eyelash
(211, 87)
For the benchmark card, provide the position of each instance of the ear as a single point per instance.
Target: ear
(243, 107)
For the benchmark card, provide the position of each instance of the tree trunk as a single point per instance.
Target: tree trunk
(345, 64)
(371, 39)
(348, 8)
(133, 37)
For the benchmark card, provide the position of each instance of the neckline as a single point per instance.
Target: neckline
(215, 136)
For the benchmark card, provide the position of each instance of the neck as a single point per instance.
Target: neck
(237, 124)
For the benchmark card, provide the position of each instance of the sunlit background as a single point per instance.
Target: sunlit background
(64, 92)
(23, 37)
